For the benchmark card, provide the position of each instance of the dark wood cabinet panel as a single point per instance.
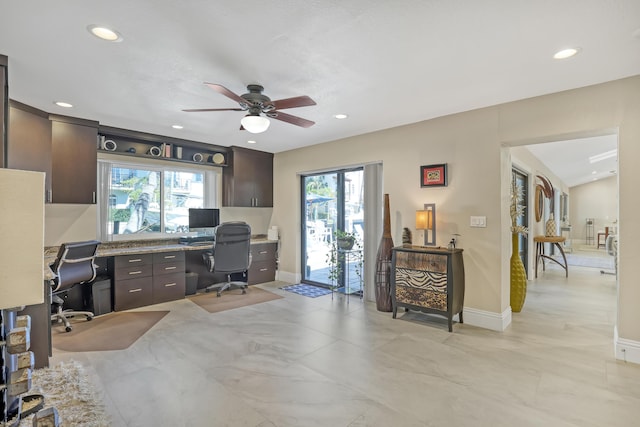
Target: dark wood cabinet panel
(29, 142)
(168, 287)
(263, 262)
(74, 158)
(248, 180)
(4, 109)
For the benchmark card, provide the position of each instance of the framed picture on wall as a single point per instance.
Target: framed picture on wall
(433, 175)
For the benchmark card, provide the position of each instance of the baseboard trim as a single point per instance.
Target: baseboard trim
(626, 350)
(487, 319)
(285, 276)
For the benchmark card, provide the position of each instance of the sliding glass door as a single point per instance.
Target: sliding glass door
(331, 202)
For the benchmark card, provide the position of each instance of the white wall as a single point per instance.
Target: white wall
(476, 145)
(597, 200)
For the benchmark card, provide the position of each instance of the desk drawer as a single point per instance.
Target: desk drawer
(262, 271)
(132, 272)
(132, 293)
(168, 268)
(161, 257)
(263, 251)
(122, 261)
(168, 287)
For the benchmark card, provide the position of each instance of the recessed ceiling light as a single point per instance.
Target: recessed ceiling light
(566, 53)
(63, 104)
(593, 173)
(340, 116)
(104, 33)
(177, 126)
(251, 141)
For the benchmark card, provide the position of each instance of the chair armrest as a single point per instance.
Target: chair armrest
(209, 261)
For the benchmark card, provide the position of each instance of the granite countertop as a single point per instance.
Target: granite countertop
(129, 247)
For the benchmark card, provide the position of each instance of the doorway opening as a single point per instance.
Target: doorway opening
(332, 202)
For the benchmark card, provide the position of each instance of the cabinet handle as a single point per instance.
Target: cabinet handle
(170, 268)
(168, 285)
(135, 260)
(263, 269)
(169, 256)
(263, 252)
(131, 273)
(94, 197)
(48, 196)
(135, 290)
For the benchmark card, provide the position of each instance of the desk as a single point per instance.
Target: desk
(554, 240)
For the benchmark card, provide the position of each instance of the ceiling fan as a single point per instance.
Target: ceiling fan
(258, 106)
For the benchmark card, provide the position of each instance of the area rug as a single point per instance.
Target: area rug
(232, 299)
(307, 290)
(113, 331)
(588, 261)
(67, 388)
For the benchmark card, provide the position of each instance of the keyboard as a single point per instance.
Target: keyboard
(196, 240)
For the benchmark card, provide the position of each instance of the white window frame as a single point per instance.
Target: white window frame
(211, 197)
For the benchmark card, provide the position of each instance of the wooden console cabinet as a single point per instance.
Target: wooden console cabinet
(430, 280)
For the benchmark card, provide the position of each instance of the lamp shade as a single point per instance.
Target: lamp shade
(424, 220)
(255, 124)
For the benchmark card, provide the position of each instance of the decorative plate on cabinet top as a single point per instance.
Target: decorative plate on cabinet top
(218, 158)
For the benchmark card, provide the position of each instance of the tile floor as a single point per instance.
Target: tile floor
(301, 361)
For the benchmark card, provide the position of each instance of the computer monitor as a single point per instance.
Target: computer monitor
(204, 219)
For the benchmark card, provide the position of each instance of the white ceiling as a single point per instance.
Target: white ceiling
(569, 160)
(384, 63)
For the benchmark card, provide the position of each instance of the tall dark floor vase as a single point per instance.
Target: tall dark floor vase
(383, 262)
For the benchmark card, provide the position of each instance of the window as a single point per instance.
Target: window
(150, 199)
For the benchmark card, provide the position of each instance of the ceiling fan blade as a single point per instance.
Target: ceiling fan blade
(226, 92)
(298, 101)
(294, 120)
(195, 110)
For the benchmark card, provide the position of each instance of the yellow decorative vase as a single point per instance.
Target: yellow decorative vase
(518, 277)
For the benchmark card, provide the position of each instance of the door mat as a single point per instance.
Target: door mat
(310, 291)
(113, 331)
(232, 299)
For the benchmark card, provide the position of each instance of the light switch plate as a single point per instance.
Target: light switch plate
(478, 221)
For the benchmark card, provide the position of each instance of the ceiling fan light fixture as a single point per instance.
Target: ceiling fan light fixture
(255, 124)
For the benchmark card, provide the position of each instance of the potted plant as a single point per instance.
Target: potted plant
(117, 216)
(342, 243)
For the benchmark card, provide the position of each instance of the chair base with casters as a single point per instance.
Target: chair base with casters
(228, 285)
(63, 316)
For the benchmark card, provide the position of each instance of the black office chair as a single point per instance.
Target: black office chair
(74, 265)
(230, 255)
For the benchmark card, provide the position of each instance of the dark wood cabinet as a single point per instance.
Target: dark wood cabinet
(29, 142)
(248, 179)
(430, 280)
(65, 149)
(263, 263)
(4, 109)
(145, 279)
(168, 276)
(74, 159)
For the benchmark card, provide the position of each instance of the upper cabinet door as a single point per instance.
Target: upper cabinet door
(248, 179)
(74, 162)
(29, 142)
